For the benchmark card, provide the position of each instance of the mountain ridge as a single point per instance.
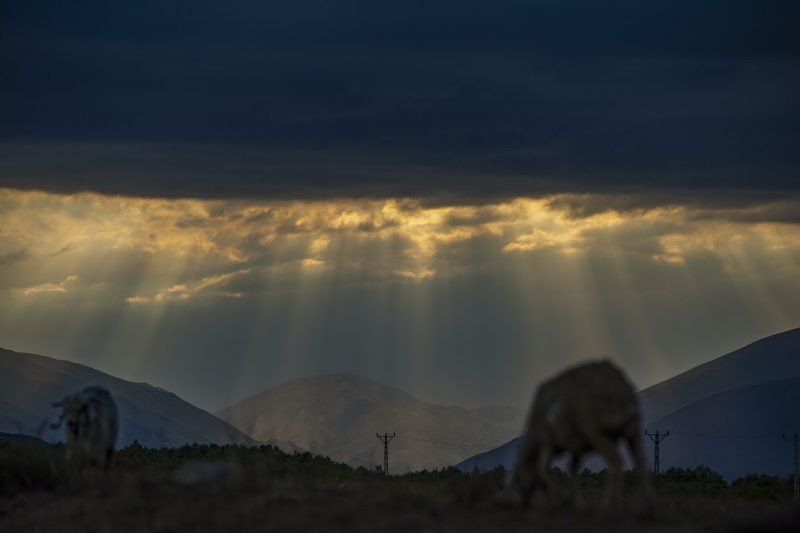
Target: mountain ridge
(339, 414)
(30, 383)
(669, 404)
(704, 432)
(768, 360)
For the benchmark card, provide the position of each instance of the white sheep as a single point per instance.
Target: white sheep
(90, 426)
(587, 408)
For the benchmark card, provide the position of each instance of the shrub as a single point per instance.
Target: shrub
(762, 486)
(698, 480)
(31, 467)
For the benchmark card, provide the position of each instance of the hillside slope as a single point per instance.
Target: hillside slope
(768, 359)
(746, 392)
(29, 384)
(339, 415)
(735, 432)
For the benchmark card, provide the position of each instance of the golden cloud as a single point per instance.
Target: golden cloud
(183, 291)
(60, 287)
(221, 248)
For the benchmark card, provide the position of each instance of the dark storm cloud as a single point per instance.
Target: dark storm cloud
(744, 205)
(457, 99)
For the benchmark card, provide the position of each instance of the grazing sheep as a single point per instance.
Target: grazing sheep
(587, 408)
(90, 425)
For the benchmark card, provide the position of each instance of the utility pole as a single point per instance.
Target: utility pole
(796, 481)
(385, 439)
(657, 437)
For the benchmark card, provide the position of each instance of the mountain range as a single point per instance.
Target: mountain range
(339, 415)
(335, 415)
(728, 414)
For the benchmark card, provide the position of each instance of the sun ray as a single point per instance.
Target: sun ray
(389, 287)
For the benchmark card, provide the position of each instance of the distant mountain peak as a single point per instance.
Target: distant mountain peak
(339, 414)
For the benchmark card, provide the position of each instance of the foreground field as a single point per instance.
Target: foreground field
(208, 488)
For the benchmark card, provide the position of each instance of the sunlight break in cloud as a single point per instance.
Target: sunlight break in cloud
(183, 291)
(158, 251)
(310, 262)
(50, 287)
(416, 275)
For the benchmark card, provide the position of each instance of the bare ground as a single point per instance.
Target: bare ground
(159, 505)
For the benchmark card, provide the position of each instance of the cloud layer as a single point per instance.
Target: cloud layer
(457, 99)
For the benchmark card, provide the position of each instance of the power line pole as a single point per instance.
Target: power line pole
(657, 437)
(385, 439)
(793, 438)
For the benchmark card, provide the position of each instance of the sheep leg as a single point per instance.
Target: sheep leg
(574, 470)
(542, 469)
(635, 444)
(525, 473)
(608, 449)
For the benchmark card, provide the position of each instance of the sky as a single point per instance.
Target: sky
(456, 198)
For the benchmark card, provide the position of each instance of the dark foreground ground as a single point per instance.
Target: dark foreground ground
(233, 489)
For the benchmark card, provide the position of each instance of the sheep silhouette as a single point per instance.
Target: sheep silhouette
(90, 425)
(590, 407)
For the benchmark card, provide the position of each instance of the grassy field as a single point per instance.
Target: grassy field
(213, 488)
